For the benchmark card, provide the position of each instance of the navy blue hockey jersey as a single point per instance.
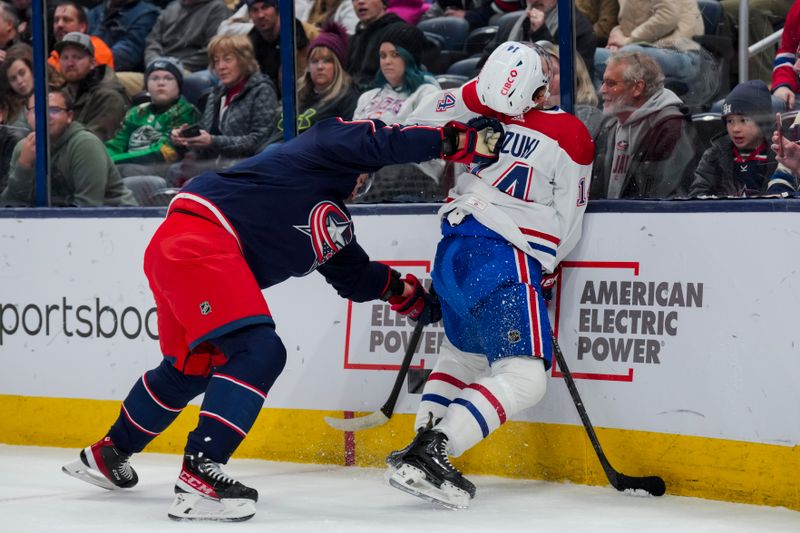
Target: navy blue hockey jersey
(286, 204)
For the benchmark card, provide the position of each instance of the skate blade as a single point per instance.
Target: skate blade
(388, 473)
(413, 481)
(78, 469)
(391, 468)
(197, 507)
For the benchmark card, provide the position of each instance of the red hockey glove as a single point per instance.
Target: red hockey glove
(419, 305)
(548, 282)
(478, 141)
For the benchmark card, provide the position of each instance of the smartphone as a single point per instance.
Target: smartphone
(779, 129)
(191, 131)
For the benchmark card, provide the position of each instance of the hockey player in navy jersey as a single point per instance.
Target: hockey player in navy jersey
(505, 226)
(228, 235)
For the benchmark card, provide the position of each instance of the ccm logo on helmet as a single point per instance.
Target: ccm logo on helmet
(509, 82)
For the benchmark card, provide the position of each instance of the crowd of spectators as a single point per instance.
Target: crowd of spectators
(145, 94)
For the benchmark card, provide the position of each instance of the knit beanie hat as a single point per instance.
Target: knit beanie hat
(334, 37)
(171, 64)
(406, 36)
(750, 98)
(267, 3)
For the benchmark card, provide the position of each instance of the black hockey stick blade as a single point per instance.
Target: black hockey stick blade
(382, 415)
(652, 485)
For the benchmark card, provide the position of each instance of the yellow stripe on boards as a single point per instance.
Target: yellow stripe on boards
(717, 469)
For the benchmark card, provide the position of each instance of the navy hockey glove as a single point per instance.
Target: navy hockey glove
(476, 142)
(490, 135)
(420, 305)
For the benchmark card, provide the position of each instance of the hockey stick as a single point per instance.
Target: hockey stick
(382, 415)
(653, 485)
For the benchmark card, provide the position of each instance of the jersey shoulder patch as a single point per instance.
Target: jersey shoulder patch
(445, 102)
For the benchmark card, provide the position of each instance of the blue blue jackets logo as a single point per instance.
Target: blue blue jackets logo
(330, 230)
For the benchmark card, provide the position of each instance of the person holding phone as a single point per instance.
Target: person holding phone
(788, 155)
(739, 162)
(789, 161)
(240, 115)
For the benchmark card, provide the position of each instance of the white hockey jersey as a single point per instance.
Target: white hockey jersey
(536, 193)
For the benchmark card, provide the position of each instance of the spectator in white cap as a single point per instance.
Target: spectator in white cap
(99, 99)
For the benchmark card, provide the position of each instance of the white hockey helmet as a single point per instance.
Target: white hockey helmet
(511, 76)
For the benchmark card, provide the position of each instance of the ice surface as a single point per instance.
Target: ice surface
(35, 496)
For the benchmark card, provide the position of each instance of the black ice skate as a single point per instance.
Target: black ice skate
(425, 471)
(395, 458)
(104, 465)
(204, 492)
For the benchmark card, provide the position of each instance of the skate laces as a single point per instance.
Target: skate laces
(119, 461)
(124, 467)
(214, 471)
(441, 451)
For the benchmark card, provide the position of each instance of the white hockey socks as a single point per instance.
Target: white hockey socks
(516, 383)
(453, 371)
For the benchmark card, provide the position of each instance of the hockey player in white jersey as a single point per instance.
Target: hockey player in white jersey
(504, 226)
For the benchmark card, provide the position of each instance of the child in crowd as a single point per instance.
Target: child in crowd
(143, 138)
(739, 163)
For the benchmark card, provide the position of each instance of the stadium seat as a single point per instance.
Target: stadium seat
(453, 30)
(451, 81)
(196, 90)
(466, 67)
(707, 126)
(431, 53)
(506, 22)
(142, 97)
(498, 18)
(479, 38)
(436, 59)
(148, 190)
(436, 38)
